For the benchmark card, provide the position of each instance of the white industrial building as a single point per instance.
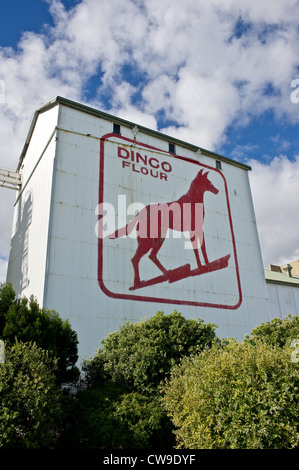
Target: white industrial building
(84, 174)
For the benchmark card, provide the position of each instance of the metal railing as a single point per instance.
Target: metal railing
(10, 179)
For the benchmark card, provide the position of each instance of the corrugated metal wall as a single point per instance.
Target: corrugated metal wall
(56, 254)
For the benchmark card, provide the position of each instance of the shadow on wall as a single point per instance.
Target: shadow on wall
(18, 266)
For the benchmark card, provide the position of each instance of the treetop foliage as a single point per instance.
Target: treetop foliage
(25, 320)
(278, 332)
(240, 395)
(150, 382)
(30, 400)
(140, 354)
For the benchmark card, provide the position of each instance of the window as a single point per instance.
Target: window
(171, 148)
(218, 164)
(116, 128)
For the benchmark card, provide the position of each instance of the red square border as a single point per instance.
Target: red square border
(144, 298)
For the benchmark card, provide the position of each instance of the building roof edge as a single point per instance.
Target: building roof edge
(87, 109)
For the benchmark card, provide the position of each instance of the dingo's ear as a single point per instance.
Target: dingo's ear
(201, 174)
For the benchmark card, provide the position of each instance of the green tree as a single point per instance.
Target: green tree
(25, 320)
(7, 298)
(30, 406)
(109, 417)
(278, 332)
(121, 404)
(237, 395)
(141, 354)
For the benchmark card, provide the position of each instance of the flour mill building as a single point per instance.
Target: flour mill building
(114, 221)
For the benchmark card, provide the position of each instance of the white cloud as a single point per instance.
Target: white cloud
(267, 11)
(275, 195)
(186, 59)
(191, 61)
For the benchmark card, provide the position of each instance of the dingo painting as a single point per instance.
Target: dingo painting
(170, 207)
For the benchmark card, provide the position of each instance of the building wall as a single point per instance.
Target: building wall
(61, 262)
(283, 300)
(29, 241)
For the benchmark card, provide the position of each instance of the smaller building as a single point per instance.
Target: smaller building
(283, 289)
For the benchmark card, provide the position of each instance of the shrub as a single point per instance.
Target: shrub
(30, 407)
(25, 321)
(240, 395)
(141, 354)
(278, 332)
(109, 417)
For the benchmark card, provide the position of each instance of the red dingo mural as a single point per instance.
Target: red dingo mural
(152, 223)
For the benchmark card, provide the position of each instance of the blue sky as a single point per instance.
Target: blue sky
(217, 74)
(18, 17)
(259, 136)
